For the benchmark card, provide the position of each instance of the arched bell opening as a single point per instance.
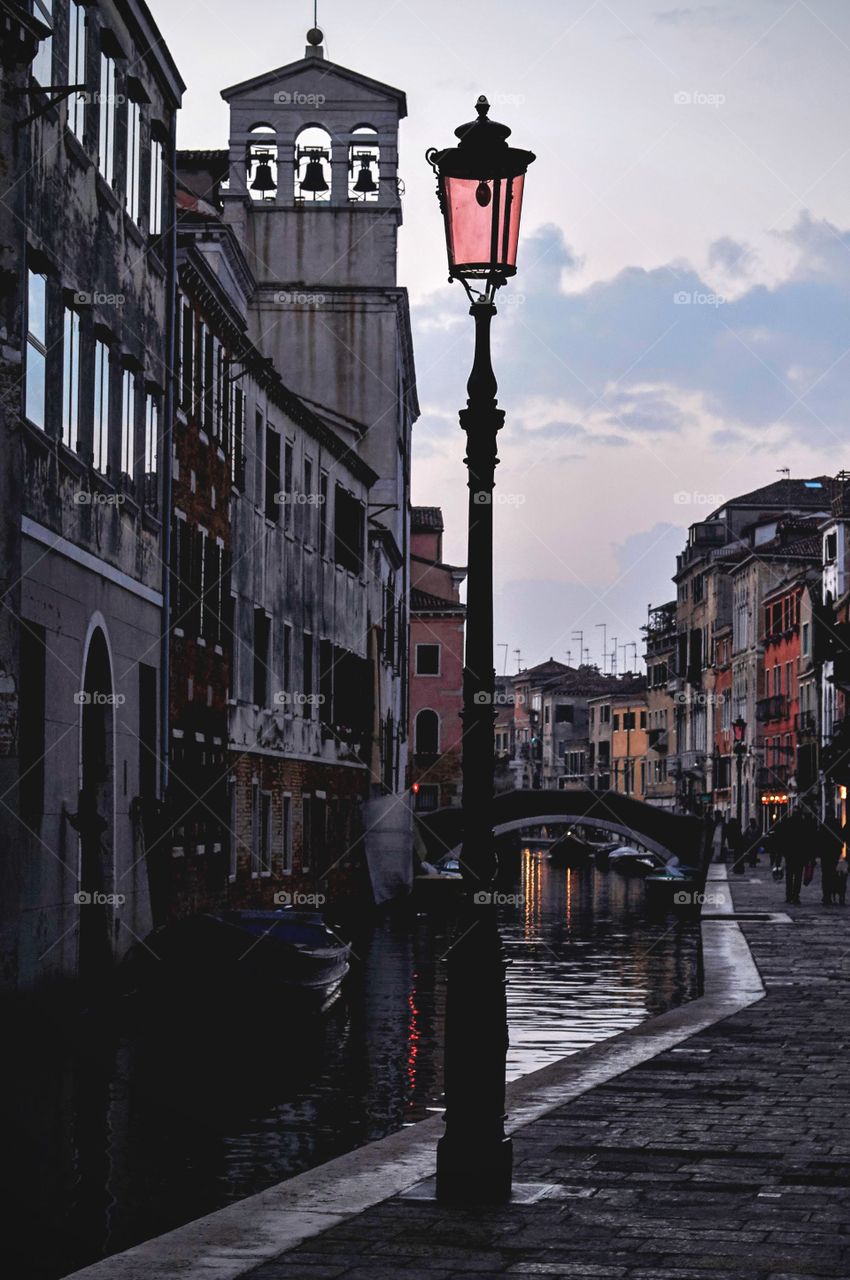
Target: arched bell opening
(363, 165)
(312, 163)
(261, 163)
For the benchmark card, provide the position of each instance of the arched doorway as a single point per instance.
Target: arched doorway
(93, 819)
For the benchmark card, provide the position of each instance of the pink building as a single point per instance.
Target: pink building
(436, 660)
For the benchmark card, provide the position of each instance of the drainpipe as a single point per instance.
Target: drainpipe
(167, 449)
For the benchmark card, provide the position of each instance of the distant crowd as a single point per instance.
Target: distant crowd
(795, 847)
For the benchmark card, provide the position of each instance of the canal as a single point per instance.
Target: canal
(133, 1123)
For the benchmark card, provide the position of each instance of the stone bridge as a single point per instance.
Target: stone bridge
(657, 829)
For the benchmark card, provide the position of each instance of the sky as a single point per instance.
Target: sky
(679, 327)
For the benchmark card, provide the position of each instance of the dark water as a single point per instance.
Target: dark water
(130, 1125)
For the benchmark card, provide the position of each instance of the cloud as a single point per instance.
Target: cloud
(649, 352)
(730, 256)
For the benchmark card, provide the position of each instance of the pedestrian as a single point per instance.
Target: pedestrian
(735, 845)
(718, 840)
(752, 842)
(841, 881)
(830, 851)
(790, 838)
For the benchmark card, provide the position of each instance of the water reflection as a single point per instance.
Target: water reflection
(131, 1124)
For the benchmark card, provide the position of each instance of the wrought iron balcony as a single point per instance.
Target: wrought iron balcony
(772, 708)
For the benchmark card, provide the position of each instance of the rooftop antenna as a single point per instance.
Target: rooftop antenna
(315, 36)
(579, 635)
(518, 660)
(505, 663)
(604, 626)
(786, 472)
(569, 657)
(613, 655)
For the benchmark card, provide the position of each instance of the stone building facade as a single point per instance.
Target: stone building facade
(436, 665)
(86, 357)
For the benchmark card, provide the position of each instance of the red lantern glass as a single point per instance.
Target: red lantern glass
(480, 185)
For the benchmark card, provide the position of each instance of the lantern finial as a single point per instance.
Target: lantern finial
(482, 106)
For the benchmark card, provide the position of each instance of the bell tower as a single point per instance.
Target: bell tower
(315, 199)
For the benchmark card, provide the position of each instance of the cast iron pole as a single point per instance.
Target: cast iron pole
(474, 1157)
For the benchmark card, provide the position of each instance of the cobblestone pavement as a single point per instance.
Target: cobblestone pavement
(728, 1156)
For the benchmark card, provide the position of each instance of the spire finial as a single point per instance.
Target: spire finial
(482, 106)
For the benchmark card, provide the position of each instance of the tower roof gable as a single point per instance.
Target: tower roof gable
(328, 71)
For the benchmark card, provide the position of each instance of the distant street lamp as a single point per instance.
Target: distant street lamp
(480, 185)
(739, 729)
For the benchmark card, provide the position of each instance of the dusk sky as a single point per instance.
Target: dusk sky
(679, 328)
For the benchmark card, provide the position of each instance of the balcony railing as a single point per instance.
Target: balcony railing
(773, 708)
(804, 722)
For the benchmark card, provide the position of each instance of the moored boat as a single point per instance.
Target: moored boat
(289, 952)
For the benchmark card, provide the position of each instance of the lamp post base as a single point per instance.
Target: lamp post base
(471, 1171)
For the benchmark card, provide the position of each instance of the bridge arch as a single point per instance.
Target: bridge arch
(668, 834)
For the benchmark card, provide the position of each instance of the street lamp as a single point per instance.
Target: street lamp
(739, 729)
(480, 186)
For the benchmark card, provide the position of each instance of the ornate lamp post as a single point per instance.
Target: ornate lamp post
(480, 185)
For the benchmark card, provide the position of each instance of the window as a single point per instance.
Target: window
(237, 462)
(264, 853)
(36, 348)
(805, 640)
(348, 530)
(155, 206)
(427, 797)
(830, 547)
(309, 502)
(287, 485)
(151, 446)
(605, 714)
(427, 733)
(133, 198)
(187, 344)
(286, 832)
(71, 379)
(615, 723)
(427, 659)
(108, 109)
(564, 713)
(42, 63)
(308, 675)
(100, 438)
(323, 513)
(128, 424)
(77, 68)
(643, 719)
(286, 659)
(272, 475)
(261, 657)
(306, 832)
